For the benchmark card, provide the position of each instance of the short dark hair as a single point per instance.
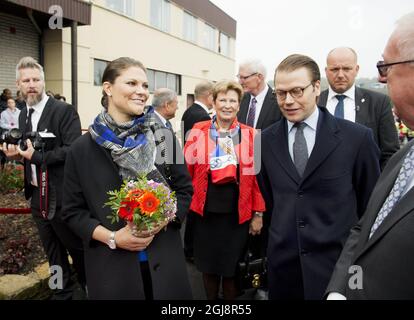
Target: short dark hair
(297, 61)
(113, 70)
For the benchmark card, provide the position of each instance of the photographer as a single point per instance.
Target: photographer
(45, 158)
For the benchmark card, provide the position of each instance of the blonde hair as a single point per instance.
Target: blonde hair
(225, 86)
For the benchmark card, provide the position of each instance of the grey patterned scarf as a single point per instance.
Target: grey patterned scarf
(132, 143)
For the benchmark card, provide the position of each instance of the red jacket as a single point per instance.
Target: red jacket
(197, 149)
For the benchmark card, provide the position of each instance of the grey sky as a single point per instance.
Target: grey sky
(272, 29)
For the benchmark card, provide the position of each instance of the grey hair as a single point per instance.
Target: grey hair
(29, 63)
(161, 96)
(254, 65)
(405, 31)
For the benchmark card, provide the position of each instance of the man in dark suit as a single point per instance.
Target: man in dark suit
(197, 112)
(317, 173)
(258, 107)
(45, 114)
(343, 99)
(259, 110)
(377, 260)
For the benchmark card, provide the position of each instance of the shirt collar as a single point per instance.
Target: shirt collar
(311, 121)
(163, 120)
(350, 93)
(203, 106)
(261, 96)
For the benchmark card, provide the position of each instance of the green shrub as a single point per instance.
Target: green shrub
(11, 178)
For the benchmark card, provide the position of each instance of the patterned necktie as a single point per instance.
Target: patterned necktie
(339, 109)
(300, 149)
(406, 171)
(168, 124)
(252, 113)
(27, 164)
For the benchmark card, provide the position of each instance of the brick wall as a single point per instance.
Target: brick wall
(13, 46)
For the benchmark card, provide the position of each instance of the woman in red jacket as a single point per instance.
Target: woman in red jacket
(226, 200)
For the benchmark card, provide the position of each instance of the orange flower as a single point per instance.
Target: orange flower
(134, 194)
(149, 203)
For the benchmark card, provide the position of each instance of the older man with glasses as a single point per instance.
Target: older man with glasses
(381, 245)
(258, 109)
(317, 173)
(369, 108)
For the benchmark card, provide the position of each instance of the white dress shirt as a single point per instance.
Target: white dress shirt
(259, 103)
(309, 132)
(349, 103)
(37, 113)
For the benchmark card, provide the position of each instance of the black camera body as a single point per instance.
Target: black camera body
(17, 137)
(13, 136)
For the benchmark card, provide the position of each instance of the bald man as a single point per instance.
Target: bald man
(344, 100)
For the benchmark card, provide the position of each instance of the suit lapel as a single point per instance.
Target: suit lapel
(244, 107)
(326, 141)
(268, 104)
(379, 194)
(44, 118)
(361, 107)
(280, 149)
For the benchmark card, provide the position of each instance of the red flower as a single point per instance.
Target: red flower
(127, 209)
(149, 203)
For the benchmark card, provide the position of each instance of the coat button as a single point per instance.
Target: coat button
(300, 193)
(303, 252)
(301, 224)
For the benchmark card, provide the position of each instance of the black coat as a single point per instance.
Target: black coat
(374, 110)
(312, 216)
(269, 113)
(195, 113)
(115, 274)
(386, 260)
(62, 120)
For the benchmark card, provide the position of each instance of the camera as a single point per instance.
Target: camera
(12, 136)
(16, 136)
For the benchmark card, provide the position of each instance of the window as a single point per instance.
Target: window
(160, 79)
(98, 70)
(190, 27)
(209, 37)
(125, 7)
(224, 44)
(160, 14)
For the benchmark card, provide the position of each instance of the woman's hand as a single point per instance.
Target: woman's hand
(126, 240)
(256, 225)
(147, 233)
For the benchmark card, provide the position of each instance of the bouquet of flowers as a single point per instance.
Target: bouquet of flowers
(144, 204)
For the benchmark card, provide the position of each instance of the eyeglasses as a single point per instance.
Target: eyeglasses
(383, 68)
(246, 77)
(295, 93)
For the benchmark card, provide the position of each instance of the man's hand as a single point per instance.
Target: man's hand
(14, 152)
(11, 152)
(28, 153)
